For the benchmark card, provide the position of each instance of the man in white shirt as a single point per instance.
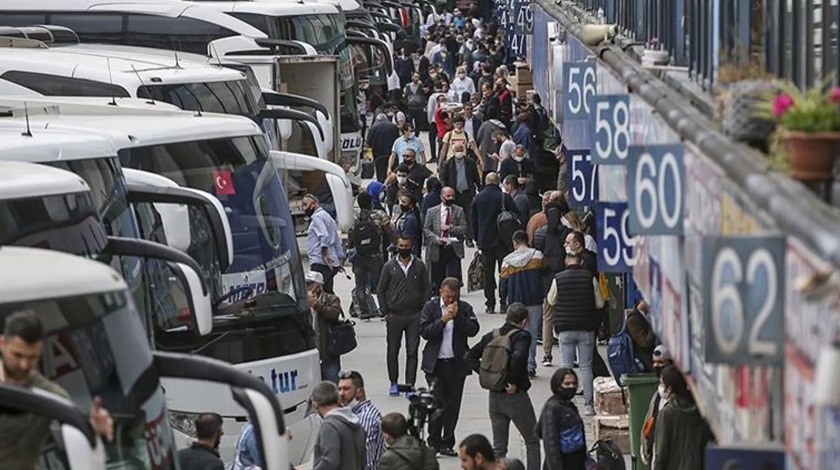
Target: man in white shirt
(445, 323)
(462, 84)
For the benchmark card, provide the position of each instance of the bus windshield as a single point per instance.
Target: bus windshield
(326, 33)
(93, 347)
(236, 170)
(229, 97)
(63, 222)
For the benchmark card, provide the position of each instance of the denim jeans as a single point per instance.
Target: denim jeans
(330, 369)
(582, 342)
(533, 326)
(516, 407)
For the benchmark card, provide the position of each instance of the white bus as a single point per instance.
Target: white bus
(261, 323)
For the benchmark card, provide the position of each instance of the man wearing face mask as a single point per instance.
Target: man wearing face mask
(462, 84)
(204, 452)
(462, 174)
(454, 137)
(403, 290)
(575, 245)
(416, 98)
(641, 332)
(351, 393)
(340, 444)
(518, 165)
(408, 140)
(409, 175)
(505, 98)
(323, 245)
(661, 360)
(444, 231)
(404, 66)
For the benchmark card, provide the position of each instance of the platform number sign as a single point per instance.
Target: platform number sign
(578, 89)
(582, 179)
(517, 44)
(523, 17)
(656, 176)
(615, 245)
(610, 129)
(743, 291)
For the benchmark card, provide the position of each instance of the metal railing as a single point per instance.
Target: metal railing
(792, 39)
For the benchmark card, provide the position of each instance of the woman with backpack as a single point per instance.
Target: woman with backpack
(560, 426)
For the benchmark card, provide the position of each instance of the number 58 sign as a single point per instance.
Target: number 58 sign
(743, 295)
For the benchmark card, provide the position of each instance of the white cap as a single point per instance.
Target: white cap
(314, 276)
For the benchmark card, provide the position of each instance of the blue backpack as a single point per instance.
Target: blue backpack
(621, 354)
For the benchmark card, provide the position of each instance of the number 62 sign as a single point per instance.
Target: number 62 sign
(743, 295)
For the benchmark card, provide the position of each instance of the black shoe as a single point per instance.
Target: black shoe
(447, 452)
(490, 310)
(503, 308)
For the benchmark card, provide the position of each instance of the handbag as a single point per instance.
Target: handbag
(342, 337)
(475, 273)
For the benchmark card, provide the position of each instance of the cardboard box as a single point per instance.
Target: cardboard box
(523, 72)
(608, 397)
(616, 428)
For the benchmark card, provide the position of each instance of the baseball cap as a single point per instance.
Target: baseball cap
(314, 276)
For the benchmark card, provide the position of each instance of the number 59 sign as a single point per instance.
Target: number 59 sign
(615, 245)
(743, 295)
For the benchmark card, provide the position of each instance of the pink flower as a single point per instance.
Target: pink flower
(834, 95)
(781, 104)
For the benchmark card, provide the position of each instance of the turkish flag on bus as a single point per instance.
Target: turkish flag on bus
(223, 181)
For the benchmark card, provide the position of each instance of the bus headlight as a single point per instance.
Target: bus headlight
(183, 422)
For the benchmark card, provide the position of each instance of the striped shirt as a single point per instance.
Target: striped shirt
(371, 420)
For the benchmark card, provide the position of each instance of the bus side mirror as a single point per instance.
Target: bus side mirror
(254, 395)
(200, 305)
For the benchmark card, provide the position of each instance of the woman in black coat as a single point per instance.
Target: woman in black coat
(560, 426)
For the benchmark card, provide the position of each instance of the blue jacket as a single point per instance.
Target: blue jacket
(486, 208)
(522, 276)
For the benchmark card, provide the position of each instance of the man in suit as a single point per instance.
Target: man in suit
(445, 323)
(462, 173)
(444, 231)
(486, 207)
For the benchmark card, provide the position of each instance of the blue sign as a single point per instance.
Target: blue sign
(578, 90)
(523, 17)
(744, 299)
(655, 175)
(615, 245)
(517, 44)
(610, 129)
(745, 458)
(582, 179)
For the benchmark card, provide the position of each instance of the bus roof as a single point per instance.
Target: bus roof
(114, 68)
(24, 180)
(31, 274)
(298, 7)
(45, 145)
(166, 8)
(140, 124)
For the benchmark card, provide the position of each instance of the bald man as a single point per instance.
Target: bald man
(486, 208)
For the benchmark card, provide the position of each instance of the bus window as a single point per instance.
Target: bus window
(54, 85)
(183, 34)
(92, 27)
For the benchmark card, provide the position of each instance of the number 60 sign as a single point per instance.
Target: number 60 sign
(743, 295)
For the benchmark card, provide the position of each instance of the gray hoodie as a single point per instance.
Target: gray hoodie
(340, 444)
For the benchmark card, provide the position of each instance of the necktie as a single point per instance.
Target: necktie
(445, 233)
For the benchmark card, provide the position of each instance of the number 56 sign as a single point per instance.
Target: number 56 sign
(743, 295)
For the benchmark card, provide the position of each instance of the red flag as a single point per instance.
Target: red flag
(223, 182)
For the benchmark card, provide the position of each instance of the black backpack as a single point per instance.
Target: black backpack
(608, 455)
(507, 224)
(367, 236)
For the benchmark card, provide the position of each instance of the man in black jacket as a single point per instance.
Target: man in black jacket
(576, 243)
(513, 403)
(576, 298)
(463, 175)
(445, 323)
(402, 291)
(380, 139)
(486, 207)
(204, 453)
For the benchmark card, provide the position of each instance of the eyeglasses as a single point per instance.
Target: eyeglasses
(347, 374)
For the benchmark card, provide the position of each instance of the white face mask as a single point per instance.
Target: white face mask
(570, 251)
(662, 392)
(460, 154)
(462, 76)
(518, 158)
(352, 404)
(401, 179)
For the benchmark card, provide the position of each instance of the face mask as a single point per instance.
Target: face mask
(405, 253)
(567, 393)
(409, 135)
(462, 76)
(401, 179)
(390, 114)
(408, 162)
(658, 370)
(518, 158)
(570, 251)
(448, 202)
(460, 155)
(352, 404)
(662, 392)
(309, 211)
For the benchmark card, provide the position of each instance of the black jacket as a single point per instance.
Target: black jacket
(465, 325)
(199, 457)
(399, 294)
(575, 307)
(486, 208)
(558, 415)
(381, 137)
(521, 169)
(449, 174)
(520, 343)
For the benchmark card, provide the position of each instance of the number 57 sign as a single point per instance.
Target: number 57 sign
(743, 291)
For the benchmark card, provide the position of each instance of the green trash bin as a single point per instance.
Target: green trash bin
(640, 389)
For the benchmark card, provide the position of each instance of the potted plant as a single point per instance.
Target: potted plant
(809, 127)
